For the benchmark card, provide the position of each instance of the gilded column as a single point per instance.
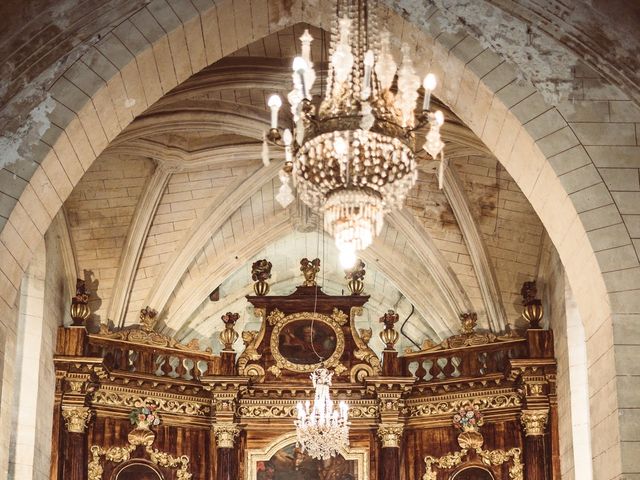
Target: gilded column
(74, 464)
(227, 456)
(390, 392)
(390, 435)
(534, 423)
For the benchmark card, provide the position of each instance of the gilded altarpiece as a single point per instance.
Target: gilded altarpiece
(230, 416)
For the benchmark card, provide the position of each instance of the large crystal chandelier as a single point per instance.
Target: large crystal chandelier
(322, 431)
(351, 155)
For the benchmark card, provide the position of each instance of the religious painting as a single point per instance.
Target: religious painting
(137, 471)
(302, 342)
(473, 473)
(284, 460)
(289, 463)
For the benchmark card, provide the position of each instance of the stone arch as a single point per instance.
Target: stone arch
(552, 156)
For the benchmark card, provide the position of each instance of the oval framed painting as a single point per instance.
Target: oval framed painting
(302, 342)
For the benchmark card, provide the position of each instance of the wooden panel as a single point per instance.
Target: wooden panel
(192, 442)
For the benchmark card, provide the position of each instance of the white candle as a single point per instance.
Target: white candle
(274, 103)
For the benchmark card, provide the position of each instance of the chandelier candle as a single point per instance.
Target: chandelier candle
(322, 432)
(351, 155)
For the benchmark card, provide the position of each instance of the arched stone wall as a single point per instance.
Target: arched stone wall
(569, 161)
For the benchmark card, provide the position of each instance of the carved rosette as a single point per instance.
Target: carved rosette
(390, 435)
(225, 434)
(76, 418)
(534, 421)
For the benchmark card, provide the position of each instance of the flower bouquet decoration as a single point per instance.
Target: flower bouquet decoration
(468, 419)
(143, 417)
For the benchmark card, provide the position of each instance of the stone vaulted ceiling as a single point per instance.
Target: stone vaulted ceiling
(180, 204)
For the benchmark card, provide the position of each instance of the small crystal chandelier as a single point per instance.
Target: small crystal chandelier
(322, 431)
(352, 154)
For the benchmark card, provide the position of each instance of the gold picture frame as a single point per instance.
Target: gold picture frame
(253, 456)
(335, 321)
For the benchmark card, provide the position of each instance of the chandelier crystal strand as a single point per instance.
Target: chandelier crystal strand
(353, 154)
(322, 431)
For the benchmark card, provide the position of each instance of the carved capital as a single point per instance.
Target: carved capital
(534, 421)
(76, 418)
(390, 434)
(225, 434)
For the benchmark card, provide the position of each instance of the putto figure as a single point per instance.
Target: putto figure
(310, 269)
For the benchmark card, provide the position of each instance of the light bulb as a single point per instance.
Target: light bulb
(299, 64)
(368, 58)
(430, 82)
(347, 258)
(340, 146)
(439, 117)
(274, 101)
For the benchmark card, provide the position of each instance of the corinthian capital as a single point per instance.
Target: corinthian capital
(225, 434)
(534, 421)
(390, 434)
(76, 418)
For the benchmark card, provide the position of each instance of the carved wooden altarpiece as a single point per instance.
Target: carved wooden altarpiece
(221, 412)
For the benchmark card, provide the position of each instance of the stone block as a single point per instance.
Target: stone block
(605, 133)
(627, 202)
(617, 258)
(600, 217)
(557, 142)
(580, 178)
(592, 197)
(612, 156)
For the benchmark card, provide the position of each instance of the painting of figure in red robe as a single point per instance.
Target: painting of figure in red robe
(289, 463)
(138, 471)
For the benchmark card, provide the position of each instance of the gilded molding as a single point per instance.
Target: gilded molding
(418, 407)
(76, 418)
(534, 421)
(336, 320)
(225, 434)
(288, 409)
(489, 458)
(178, 406)
(123, 454)
(372, 366)
(390, 435)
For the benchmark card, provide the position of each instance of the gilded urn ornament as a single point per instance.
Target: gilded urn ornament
(469, 419)
(309, 269)
(80, 310)
(260, 273)
(533, 311)
(229, 336)
(389, 335)
(355, 276)
(143, 418)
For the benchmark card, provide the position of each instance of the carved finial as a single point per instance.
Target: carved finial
(389, 336)
(533, 311)
(260, 273)
(148, 318)
(80, 310)
(229, 336)
(355, 275)
(309, 269)
(468, 323)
